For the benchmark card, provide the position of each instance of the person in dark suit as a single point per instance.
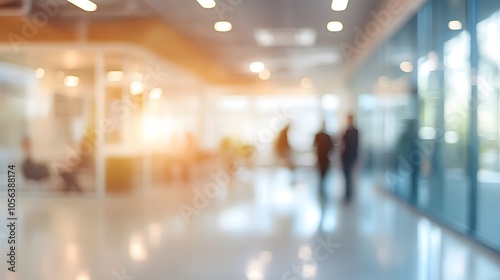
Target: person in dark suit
(349, 155)
(324, 145)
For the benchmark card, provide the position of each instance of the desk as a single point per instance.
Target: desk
(122, 172)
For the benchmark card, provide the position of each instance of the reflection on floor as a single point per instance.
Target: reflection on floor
(259, 226)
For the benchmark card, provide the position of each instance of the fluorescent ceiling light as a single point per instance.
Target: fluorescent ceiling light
(85, 5)
(305, 37)
(264, 38)
(115, 76)
(223, 26)
(455, 25)
(339, 5)
(257, 67)
(335, 26)
(71, 81)
(285, 37)
(207, 4)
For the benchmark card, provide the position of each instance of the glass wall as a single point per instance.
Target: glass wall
(488, 37)
(387, 111)
(443, 82)
(440, 132)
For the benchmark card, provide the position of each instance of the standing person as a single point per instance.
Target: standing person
(283, 147)
(324, 145)
(349, 154)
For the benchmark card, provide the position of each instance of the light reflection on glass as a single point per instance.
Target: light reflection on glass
(427, 133)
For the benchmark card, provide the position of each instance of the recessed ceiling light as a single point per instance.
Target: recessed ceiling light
(265, 75)
(115, 76)
(85, 5)
(223, 26)
(155, 93)
(39, 73)
(335, 26)
(306, 82)
(455, 25)
(136, 88)
(406, 66)
(71, 81)
(339, 5)
(207, 4)
(257, 67)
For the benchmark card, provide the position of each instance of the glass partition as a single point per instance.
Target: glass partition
(488, 36)
(441, 153)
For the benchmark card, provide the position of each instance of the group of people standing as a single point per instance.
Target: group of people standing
(349, 154)
(324, 145)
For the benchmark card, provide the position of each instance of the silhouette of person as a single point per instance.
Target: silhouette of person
(283, 147)
(324, 145)
(349, 155)
(406, 141)
(402, 159)
(39, 171)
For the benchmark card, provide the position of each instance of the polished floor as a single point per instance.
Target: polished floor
(260, 224)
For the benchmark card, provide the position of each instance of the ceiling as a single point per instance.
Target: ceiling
(236, 49)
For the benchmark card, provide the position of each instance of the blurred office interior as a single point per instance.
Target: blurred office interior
(148, 104)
